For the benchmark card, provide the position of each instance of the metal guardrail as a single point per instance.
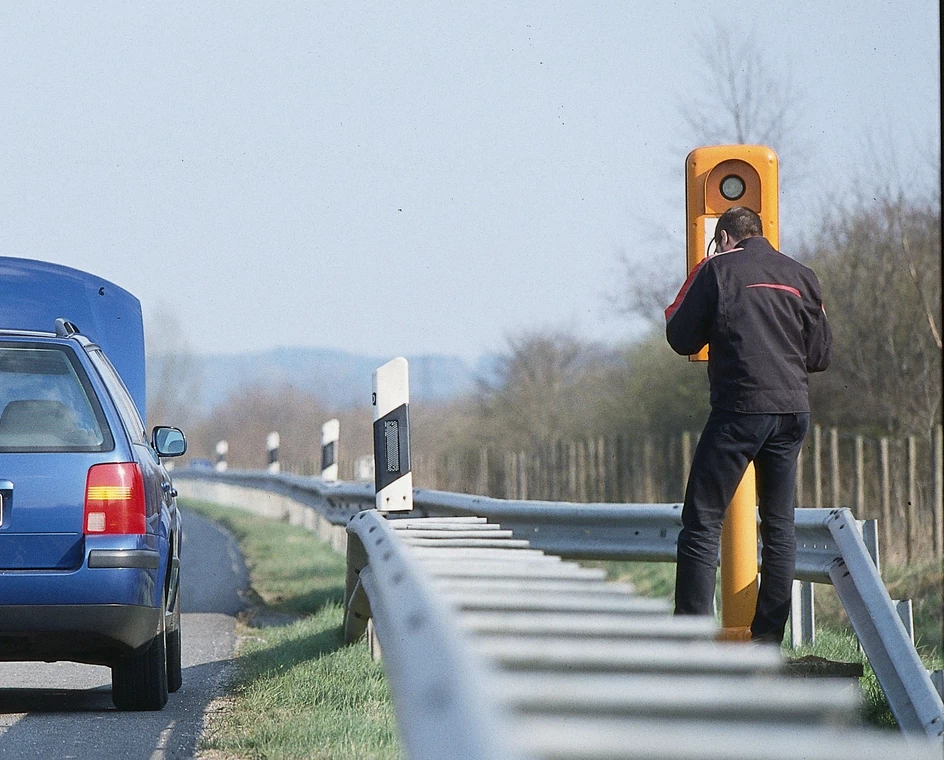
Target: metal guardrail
(634, 532)
(830, 550)
(496, 651)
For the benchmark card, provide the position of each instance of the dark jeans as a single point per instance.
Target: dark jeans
(729, 441)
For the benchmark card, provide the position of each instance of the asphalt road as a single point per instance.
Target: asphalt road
(64, 710)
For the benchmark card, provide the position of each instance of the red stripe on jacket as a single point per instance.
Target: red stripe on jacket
(673, 307)
(777, 287)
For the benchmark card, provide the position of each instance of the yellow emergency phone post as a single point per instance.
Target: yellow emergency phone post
(717, 178)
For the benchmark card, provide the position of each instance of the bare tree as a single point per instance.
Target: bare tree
(250, 413)
(174, 374)
(738, 98)
(880, 265)
(741, 100)
(544, 388)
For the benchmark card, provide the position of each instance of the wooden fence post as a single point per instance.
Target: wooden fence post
(510, 476)
(483, 472)
(817, 466)
(523, 474)
(834, 466)
(572, 471)
(554, 471)
(581, 471)
(647, 469)
(886, 489)
(937, 506)
(626, 468)
(860, 477)
(686, 458)
(603, 471)
(912, 515)
(620, 456)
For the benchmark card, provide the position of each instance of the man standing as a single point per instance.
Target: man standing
(761, 314)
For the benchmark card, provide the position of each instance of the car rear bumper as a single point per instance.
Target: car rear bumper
(92, 633)
(118, 570)
(144, 559)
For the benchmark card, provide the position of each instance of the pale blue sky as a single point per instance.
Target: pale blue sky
(405, 177)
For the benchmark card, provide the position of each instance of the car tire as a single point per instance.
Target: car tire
(140, 682)
(174, 664)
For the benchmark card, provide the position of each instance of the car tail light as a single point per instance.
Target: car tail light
(114, 499)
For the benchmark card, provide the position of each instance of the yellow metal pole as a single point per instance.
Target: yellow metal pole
(739, 561)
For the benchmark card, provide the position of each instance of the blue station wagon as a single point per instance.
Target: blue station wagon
(89, 527)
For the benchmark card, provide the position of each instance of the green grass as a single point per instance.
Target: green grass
(840, 645)
(651, 579)
(920, 582)
(298, 692)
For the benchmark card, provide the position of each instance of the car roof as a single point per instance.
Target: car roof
(37, 293)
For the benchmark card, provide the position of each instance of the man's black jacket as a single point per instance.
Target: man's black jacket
(761, 314)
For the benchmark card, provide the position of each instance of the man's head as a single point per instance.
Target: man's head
(735, 225)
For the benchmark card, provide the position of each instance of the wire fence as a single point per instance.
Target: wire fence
(897, 481)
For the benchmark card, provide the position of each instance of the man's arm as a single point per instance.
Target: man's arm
(688, 319)
(819, 346)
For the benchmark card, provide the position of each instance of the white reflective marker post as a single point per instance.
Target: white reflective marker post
(393, 475)
(222, 449)
(364, 468)
(272, 447)
(330, 435)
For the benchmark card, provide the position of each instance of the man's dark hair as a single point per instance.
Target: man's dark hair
(739, 223)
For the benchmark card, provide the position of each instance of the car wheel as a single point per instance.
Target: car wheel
(140, 682)
(174, 666)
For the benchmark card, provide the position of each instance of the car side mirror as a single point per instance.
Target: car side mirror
(168, 441)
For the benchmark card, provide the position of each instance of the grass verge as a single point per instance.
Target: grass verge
(298, 692)
(835, 640)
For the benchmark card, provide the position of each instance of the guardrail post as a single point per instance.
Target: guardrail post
(905, 612)
(870, 538)
(356, 604)
(330, 437)
(802, 615)
(393, 475)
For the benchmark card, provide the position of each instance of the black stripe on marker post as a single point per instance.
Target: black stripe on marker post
(391, 447)
(327, 455)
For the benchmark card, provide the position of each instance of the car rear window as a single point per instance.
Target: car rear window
(47, 403)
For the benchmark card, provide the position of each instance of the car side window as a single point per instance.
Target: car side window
(119, 394)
